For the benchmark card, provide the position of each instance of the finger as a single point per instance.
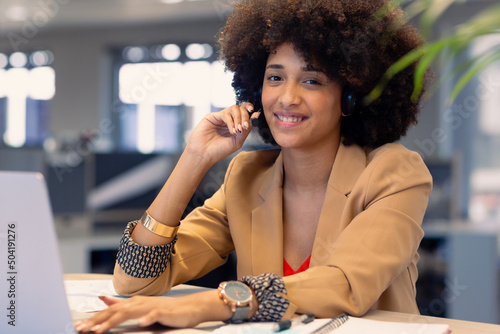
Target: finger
(246, 109)
(227, 118)
(255, 115)
(110, 300)
(117, 315)
(248, 106)
(254, 119)
(149, 319)
(88, 324)
(111, 322)
(121, 308)
(79, 325)
(236, 112)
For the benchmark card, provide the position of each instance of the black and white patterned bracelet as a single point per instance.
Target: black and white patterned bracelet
(272, 306)
(142, 261)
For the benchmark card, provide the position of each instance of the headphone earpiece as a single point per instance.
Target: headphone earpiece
(349, 102)
(257, 96)
(257, 102)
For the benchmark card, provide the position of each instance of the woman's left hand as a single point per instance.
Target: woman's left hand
(186, 311)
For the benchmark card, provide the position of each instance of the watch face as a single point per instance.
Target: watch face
(238, 291)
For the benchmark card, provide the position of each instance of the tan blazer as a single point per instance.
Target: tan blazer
(365, 249)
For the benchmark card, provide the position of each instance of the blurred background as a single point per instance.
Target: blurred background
(101, 95)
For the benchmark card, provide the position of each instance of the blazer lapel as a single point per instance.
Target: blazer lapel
(349, 163)
(267, 224)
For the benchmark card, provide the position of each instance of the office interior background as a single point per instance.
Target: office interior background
(101, 95)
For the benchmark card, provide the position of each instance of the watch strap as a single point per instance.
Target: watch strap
(240, 314)
(158, 228)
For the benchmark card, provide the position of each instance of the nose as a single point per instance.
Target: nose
(290, 95)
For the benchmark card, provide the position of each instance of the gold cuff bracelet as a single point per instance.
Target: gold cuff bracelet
(158, 228)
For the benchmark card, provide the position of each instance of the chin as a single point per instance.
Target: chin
(287, 143)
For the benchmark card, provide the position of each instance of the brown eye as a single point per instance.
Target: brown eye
(313, 82)
(274, 78)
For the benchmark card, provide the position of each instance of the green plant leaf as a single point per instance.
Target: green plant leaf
(480, 64)
(435, 9)
(447, 49)
(421, 70)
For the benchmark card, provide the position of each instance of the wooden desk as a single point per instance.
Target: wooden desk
(456, 326)
(85, 277)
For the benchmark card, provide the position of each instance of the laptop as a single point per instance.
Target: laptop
(32, 293)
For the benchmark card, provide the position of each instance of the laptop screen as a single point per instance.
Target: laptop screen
(32, 295)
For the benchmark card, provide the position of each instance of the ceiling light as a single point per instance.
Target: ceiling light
(41, 58)
(3, 60)
(18, 59)
(16, 13)
(134, 53)
(195, 51)
(171, 1)
(171, 52)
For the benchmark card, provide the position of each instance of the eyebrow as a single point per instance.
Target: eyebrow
(308, 68)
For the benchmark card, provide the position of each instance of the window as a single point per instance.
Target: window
(27, 85)
(163, 91)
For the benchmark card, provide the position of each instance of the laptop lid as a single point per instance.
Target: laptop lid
(32, 294)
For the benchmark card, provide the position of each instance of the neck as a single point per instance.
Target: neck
(308, 170)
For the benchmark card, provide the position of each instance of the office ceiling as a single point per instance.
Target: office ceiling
(50, 14)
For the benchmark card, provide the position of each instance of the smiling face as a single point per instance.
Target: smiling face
(301, 104)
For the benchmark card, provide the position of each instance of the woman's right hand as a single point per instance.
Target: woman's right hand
(218, 135)
(222, 133)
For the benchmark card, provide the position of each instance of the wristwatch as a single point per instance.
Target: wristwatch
(239, 297)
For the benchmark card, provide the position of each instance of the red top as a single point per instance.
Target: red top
(287, 270)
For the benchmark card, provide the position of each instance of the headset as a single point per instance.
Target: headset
(349, 102)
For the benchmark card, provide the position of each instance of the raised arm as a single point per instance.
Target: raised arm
(145, 262)
(217, 136)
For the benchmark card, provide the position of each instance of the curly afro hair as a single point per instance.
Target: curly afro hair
(347, 39)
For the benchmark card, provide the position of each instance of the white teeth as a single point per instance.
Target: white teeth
(289, 119)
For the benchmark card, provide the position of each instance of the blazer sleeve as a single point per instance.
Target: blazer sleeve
(384, 213)
(203, 243)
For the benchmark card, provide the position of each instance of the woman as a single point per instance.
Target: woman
(329, 222)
